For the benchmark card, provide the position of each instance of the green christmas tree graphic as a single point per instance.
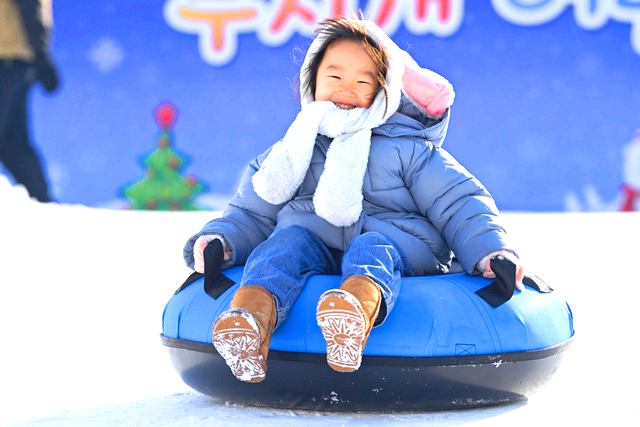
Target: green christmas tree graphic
(163, 187)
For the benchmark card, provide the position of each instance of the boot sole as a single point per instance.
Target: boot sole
(237, 338)
(341, 320)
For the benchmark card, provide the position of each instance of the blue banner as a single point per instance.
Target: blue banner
(547, 91)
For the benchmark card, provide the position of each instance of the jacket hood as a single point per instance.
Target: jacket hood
(399, 102)
(411, 121)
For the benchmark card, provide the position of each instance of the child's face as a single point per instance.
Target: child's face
(347, 76)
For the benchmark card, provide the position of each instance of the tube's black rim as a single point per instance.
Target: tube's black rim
(480, 359)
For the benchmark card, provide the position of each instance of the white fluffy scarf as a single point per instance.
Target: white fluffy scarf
(338, 197)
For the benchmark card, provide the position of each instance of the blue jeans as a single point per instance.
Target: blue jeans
(283, 263)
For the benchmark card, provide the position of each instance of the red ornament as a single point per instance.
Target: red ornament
(166, 114)
(192, 180)
(174, 163)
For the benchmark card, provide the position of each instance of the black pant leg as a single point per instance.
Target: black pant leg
(17, 154)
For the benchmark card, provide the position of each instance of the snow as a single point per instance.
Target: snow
(84, 289)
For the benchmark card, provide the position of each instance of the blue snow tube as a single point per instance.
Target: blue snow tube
(442, 347)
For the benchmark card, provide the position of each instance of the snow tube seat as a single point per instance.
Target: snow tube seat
(442, 347)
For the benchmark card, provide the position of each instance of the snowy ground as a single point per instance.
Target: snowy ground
(83, 291)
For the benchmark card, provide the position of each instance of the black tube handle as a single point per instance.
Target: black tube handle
(502, 288)
(215, 283)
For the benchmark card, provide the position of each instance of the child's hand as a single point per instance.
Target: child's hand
(428, 89)
(484, 266)
(198, 250)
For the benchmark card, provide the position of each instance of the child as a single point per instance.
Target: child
(358, 187)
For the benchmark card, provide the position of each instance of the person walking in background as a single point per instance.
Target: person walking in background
(24, 35)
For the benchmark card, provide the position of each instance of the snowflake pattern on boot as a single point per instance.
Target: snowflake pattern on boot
(342, 322)
(237, 338)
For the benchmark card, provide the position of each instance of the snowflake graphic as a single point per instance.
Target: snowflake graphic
(344, 332)
(240, 348)
(106, 54)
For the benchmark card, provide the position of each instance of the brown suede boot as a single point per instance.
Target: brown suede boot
(346, 316)
(242, 334)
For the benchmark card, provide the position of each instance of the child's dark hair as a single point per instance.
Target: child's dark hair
(339, 28)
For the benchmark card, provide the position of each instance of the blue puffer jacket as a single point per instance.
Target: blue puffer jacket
(414, 192)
